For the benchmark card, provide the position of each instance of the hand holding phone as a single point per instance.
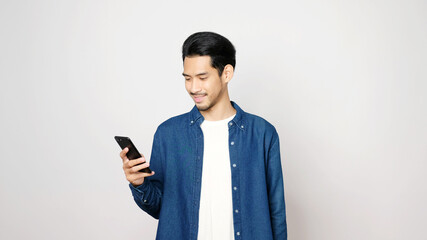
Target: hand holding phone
(133, 153)
(134, 164)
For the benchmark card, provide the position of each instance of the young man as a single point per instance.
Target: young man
(217, 168)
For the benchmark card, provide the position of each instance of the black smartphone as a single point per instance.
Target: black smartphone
(133, 152)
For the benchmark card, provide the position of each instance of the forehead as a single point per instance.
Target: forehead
(197, 64)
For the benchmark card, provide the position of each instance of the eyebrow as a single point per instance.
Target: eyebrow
(199, 74)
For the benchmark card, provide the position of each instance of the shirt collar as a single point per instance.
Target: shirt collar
(196, 116)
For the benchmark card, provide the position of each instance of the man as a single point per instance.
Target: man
(217, 168)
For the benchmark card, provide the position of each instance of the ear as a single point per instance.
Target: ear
(227, 73)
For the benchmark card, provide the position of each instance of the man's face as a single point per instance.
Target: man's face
(203, 82)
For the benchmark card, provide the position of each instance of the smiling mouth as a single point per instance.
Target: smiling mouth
(198, 98)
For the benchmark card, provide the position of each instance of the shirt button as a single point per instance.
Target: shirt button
(237, 211)
(232, 143)
(231, 124)
(238, 233)
(242, 126)
(192, 122)
(234, 165)
(145, 200)
(235, 188)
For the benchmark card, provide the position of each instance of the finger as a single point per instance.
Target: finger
(139, 167)
(123, 154)
(127, 165)
(144, 174)
(137, 176)
(137, 161)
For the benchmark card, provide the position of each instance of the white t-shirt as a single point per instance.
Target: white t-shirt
(216, 204)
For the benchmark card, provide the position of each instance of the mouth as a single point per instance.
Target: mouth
(198, 98)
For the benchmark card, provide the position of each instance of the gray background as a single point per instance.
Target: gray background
(344, 82)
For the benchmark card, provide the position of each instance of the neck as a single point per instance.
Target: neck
(221, 110)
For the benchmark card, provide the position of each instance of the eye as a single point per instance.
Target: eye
(203, 78)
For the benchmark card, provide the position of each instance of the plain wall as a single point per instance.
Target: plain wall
(344, 83)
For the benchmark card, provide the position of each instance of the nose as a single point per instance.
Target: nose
(195, 86)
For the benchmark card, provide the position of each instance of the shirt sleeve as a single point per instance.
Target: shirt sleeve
(148, 195)
(276, 195)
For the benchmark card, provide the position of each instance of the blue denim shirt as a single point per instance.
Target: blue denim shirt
(172, 194)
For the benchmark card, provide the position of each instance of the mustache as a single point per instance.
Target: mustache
(198, 94)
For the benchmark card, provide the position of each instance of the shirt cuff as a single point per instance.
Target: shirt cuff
(141, 188)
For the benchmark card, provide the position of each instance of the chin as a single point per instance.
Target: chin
(203, 107)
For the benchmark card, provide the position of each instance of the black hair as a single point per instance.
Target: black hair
(219, 48)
